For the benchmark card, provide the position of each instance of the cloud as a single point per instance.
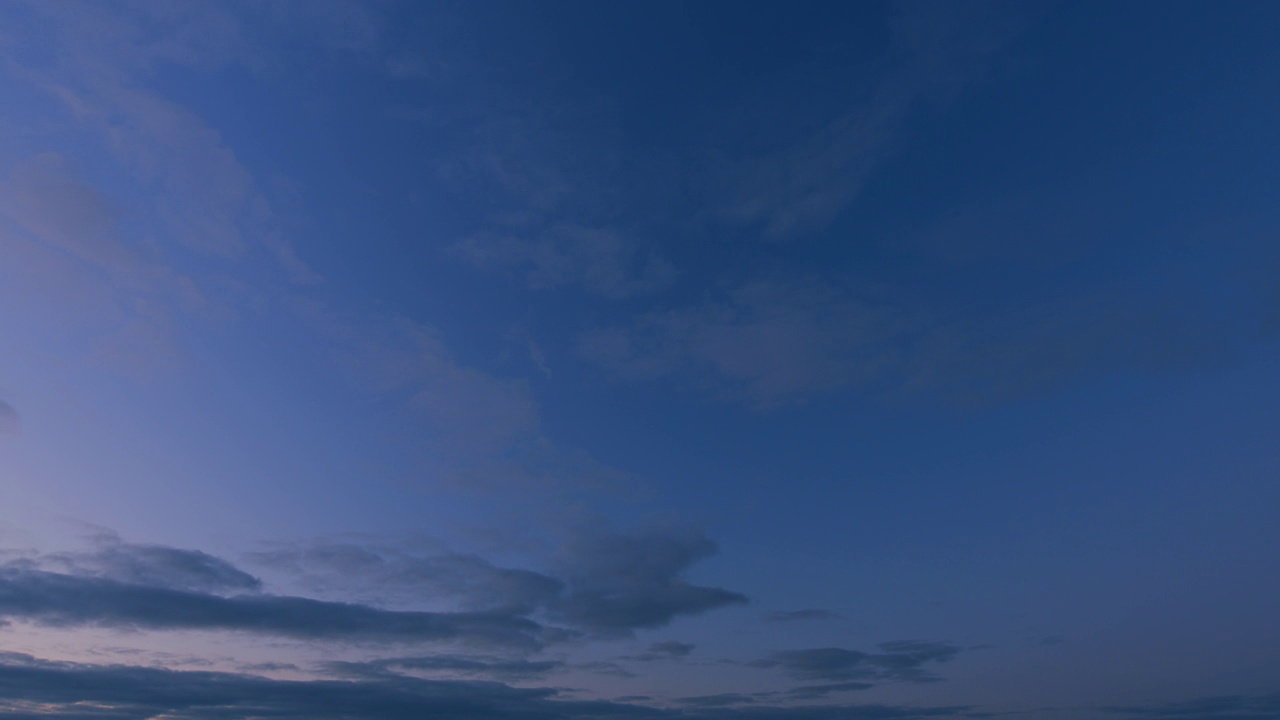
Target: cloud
(671, 649)
(772, 342)
(405, 573)
(46, 197)
(32, 687)
(806, 614)
(719, 700)
(1221, 707)
(194, 193)
(896, 661)
(604, 582)
(601, 261)
(622, 582)
(936, 50)
(668, 650)
(478, 666)
(156, 566)
(10, 421)
(812, 692)
(141, 587)
(767, 342)
(462, 424)
(57, 599)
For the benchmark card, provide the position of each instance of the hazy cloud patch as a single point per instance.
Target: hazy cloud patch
(600, 261)
(156, 588)
(403, 574)
(671, 649)
(798, 615)
(601, 581)
(10, 421)
(156, 566)
(47, 198)
(772, 342)
(71, 691)
(622, 582)
(466, 665)
(895, 661)
(1220, 707)
(800, 189)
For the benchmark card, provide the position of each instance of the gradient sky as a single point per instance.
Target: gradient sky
(601, 360)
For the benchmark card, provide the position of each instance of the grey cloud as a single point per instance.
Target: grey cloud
(719, 700)
(203, 198)
(1221, 707)
(806, 614)
(618, 583)
(937, 49)
(772, 342)
(896, 661)
(668, 650)
(157, 566)
(479, 666)
(605, 582)
(464, 425)
(671, 649)
(602, 261)
(767, 342)
(59, 599)
(10, 421)
(811, 692)
(613, 584)
(803, 188)
(67, 691)
(605, 667)
(402, 573)
(46, 196)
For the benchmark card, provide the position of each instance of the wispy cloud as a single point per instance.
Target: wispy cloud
(464, 425)
(484, 667)
(71, 691)
(895, 661)
(602, 582)
(154, 566)
(199, 195)
(767, 342)
(936, 50)
(1220, 707)
(601, 261)
(795, 615)
(770, 342)
(612, 584)
(10, 421)
(62, 599)
(623, 582)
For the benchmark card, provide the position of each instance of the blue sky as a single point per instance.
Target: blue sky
(660, 360)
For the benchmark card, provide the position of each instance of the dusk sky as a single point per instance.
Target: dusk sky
(614, 360)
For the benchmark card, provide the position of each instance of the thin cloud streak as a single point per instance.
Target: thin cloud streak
(62, 690)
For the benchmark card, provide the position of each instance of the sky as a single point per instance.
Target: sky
(666, 361)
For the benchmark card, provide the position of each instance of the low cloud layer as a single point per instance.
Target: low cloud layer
(623, 582)
(895, 661)
(1220, 707)
(70, 691)
(613, 584)
(795, 615)
(156, 566)
(60, 599)
(604, 582)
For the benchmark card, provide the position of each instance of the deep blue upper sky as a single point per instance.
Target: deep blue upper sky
(581, 359)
